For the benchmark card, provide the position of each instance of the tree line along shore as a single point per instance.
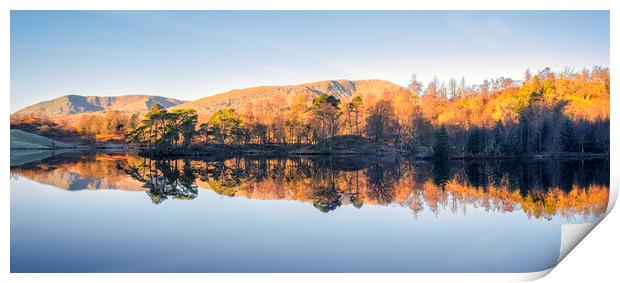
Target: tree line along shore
(546, 114)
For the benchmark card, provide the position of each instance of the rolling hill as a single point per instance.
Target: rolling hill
(25, 140)
(75, 104)
(237, 98)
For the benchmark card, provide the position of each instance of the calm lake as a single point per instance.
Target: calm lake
(114, 212)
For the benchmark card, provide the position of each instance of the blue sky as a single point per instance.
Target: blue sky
(192, 54)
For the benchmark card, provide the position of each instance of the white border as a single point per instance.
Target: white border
(280, 5)
(309, 5)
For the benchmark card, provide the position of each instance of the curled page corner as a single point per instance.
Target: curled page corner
(531, 276)
(572, 234)
(613, 195)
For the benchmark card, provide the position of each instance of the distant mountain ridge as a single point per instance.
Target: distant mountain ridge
(236, 98)
(75, 104)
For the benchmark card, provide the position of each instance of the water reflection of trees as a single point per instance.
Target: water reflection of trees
(540, 189)
(164, 178)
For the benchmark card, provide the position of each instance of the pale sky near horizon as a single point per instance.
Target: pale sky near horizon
(191, 54)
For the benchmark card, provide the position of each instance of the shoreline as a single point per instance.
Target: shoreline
(20, 157)
(236, 151)
(293, 151)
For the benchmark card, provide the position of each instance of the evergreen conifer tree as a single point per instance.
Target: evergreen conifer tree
(441, 147)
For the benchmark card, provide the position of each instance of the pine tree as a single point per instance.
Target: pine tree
(441, 156)
(589, 141)
(475, 141)
(568, 141)
(513, 142)
(541, 137)
(441, 147)
(524, 130)
(355, 106)
(498, 140)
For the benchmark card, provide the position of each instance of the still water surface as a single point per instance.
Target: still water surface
(116, 212)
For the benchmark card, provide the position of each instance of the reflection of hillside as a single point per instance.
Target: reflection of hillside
(98, 172)
(538, 189)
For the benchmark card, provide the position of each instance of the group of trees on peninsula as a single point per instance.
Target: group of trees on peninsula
(546, 112)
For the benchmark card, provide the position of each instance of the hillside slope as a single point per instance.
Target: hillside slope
(237, 98)
(25, 140)
(75, 104)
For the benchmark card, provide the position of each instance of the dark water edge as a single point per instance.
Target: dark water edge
(303, 150)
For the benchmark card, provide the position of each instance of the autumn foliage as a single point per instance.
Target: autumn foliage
(567, 189)
(498, 117)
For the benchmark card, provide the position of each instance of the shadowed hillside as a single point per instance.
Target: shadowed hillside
(75, 104)
(24, 140)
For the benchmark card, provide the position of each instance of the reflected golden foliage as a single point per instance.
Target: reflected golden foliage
(317, 181)
(358, 187)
